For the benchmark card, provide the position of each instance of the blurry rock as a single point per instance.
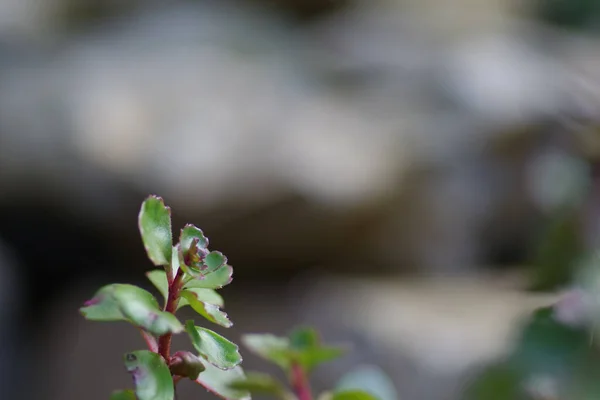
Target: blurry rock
(28, 20)
(504, 81)
(211, 117)
(422, 331)
(236, 119)
(218, 114)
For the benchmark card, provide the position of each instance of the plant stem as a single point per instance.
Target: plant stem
(300, 383)
(150, 341)
(164, 342)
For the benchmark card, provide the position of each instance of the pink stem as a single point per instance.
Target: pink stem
(300, 383)
(164, 342)
(150, 341)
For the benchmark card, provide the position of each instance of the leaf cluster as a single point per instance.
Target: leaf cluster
(189, 275)
(298, 355)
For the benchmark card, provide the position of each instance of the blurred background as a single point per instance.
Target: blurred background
(411, 177)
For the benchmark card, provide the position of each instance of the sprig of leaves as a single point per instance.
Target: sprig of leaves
(299, 354)
(190, 276)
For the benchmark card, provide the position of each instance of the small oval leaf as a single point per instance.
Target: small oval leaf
(214, 260)
(141, 308)
(103, 306)
(270, 347)
(353, 395)
(154, 222)
(217, 350)
(158, 277)
(311, 358)
(150, 374)
(123, 395)
(189, 233)
(205, 296)
(119, 301)
(260, 383)
(174, 261)
(219, 382)
(209, 311)
(215, 280)
(304, 338)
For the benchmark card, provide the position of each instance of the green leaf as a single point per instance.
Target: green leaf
(195, 259)
(150, 374)
(559, 248)
(353, 395)
(311, 358)
(214, 260)
(103, 306)
(261, 384)
(141, 308)
(128, 302)
(154, 223)
(578, 17)
(205, 296)
(216, 280)
(270, 347)
(548, 347)
(123, 395)
(307, 350)
(190, 232)
(209, 311)
(369, 379)
(175, 260)
(158, 277)
(304, 338)
(219, 382)
(217, 350)
(499, 382)
(584, 384)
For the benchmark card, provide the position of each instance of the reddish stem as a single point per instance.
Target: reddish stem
(164, 342)
(150, 341)
(300, 383)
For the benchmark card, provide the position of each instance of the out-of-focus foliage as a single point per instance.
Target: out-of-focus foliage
(557, 353)
(560, 246)
(562, 187)
(571, 14)
(298, 355)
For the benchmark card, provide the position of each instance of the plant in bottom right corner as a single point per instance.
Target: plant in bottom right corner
(298, 355)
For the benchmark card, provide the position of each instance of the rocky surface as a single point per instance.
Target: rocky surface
(265, 120)
(386, 138)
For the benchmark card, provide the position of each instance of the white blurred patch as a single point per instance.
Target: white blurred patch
(217, 115)
(445, 325)
(556, 179)
(503, 80)
(28, 19)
